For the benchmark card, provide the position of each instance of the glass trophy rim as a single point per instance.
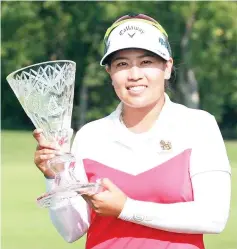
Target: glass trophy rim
(37, 64)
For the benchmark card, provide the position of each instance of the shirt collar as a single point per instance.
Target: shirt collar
(160, 130)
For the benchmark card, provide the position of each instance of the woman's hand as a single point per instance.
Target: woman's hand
(109, 202)
(44, 151)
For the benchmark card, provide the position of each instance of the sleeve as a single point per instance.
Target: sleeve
(71, 218)
(209, 152)
(209, 211)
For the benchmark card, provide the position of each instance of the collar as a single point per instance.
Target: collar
(158, 133)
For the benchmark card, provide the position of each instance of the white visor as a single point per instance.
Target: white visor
(136, 34)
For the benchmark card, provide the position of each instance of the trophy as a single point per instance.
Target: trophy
(46, 91)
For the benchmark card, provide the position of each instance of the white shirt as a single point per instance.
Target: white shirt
(109, 142)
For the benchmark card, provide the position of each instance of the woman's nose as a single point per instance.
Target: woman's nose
(135, 73)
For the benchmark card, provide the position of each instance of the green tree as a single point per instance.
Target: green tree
(202, 37)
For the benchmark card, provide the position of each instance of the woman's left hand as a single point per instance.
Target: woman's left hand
(109, 202)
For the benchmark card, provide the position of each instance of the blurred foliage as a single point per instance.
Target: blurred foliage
(34, 32)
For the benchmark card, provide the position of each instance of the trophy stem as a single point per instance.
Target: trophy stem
(63, 166)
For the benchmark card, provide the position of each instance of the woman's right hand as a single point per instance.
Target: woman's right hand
(44, 151)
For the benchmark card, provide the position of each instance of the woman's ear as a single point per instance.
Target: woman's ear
(108, 69)
(168, 69)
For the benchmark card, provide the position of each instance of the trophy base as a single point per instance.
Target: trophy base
(62, 193)
(66, 183)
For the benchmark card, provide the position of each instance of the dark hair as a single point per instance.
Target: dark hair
(171, 80)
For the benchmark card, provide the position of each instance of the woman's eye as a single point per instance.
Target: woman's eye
(146, 62)
(121, 64)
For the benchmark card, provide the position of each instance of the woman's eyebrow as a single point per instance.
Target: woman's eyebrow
(146, 55)
(119, 58)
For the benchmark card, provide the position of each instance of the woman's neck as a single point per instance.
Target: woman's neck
(139, 120)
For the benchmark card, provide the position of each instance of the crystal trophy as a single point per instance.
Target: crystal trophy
(46, 91)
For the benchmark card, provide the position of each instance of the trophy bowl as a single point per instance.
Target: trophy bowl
(45, 91)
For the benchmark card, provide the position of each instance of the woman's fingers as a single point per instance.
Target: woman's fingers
(88, 200)
(48, 151)
(44, 155)
(45, 151)
(38, 135)
(48, 145)
(47, 157)
(42, 142)
(41, 160)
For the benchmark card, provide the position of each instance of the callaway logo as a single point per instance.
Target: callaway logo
(163, 42)
(131, 36)
(131, 27)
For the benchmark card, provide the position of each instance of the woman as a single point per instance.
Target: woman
(164, 166)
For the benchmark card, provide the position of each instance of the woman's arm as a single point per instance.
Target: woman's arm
(71, 218)
(208, 213)
(211, 181)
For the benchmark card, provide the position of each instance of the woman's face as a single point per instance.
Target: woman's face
(138, 76)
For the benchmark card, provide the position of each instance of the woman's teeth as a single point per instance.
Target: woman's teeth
(136, 88)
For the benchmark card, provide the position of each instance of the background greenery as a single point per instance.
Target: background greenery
(203, 38)
(202, 35)
(26, 226)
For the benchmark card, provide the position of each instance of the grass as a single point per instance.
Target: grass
(25, 226)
